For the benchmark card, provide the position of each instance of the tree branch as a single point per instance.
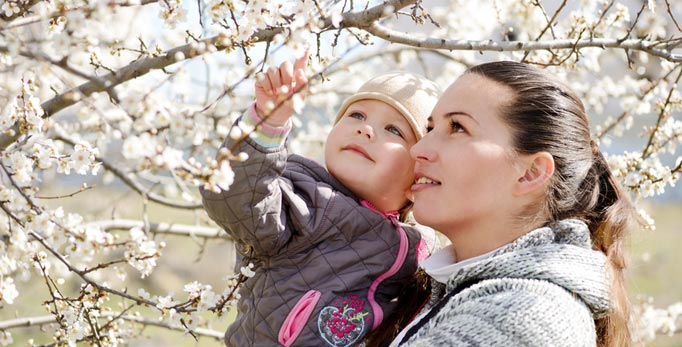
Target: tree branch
(162, 228)
(49, 319)
(87, 279)
(14, 21)
(649, 47)
(144, 65)
(130, 180)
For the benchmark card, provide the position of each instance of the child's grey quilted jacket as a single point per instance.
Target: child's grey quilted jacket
(326, 267)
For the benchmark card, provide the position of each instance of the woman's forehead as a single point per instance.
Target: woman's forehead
(472, 92)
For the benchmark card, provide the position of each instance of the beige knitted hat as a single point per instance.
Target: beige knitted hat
(412, 95)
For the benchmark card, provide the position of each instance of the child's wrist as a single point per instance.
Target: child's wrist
(265, 134)
(273, 119)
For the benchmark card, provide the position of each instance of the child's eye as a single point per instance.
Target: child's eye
(393, 129)
(357, 115)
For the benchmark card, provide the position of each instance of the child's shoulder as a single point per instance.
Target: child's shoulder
(296, 161)
(311, 169)
(430, 236)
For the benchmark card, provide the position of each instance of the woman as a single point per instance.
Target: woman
(509, 173)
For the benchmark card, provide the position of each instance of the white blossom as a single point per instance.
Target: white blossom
(221, 178)
(143, 294)
(247, 270)
(77, 330)
(141, 252)
(166, 302)
(83, 158)
(5, 338)
(8, 291)
(651, 5)
(136, 147)
(45, 153)
(23, 168)
(648, 320)
(9, 8)
(172, 12)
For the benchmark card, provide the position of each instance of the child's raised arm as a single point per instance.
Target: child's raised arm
(252, 210)
(275, 89)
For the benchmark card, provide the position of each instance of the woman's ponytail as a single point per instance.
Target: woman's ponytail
(608, 219)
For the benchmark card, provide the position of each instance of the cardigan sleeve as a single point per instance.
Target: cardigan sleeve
(509, 312)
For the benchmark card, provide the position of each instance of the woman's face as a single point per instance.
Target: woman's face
(464, 171)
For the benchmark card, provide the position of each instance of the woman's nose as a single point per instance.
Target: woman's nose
(423, 150)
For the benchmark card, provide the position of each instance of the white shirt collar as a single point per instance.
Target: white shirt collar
(442, 264)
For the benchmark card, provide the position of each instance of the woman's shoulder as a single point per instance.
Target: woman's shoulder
(517, 295)
(532, 312)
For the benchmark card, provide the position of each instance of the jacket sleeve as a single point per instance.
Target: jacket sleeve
(251, 210)
(504, 314)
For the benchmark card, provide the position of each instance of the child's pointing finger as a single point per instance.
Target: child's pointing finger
(302, 62)
(287, 73)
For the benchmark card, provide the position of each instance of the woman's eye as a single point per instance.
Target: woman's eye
(357, 115)
(457, 127)
(394, 130)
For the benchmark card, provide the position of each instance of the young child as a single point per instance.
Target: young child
(330, 249)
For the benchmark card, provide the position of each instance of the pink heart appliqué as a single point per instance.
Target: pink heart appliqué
(340, 326)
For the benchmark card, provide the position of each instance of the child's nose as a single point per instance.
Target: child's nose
(365, 130)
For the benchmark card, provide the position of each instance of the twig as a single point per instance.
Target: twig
(601, 17)
(82, 189)
(634, 23)
(622, 116)
(670, 12)
(661, 116)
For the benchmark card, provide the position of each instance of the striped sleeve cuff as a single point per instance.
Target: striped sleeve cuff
(265, 135)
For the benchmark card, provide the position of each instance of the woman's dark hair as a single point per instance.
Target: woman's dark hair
(545, 115)
(410, 300)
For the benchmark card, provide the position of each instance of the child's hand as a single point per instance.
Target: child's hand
(275, 88)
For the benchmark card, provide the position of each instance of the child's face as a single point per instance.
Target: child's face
(368, 151)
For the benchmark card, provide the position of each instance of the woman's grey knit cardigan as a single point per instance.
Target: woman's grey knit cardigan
(544, 289)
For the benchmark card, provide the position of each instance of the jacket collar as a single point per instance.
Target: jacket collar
(387, 215)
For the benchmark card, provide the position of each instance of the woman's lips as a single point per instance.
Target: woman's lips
(422, 182)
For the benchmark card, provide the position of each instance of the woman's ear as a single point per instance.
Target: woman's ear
(536, 171)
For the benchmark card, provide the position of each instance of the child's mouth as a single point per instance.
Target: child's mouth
(359, 150)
